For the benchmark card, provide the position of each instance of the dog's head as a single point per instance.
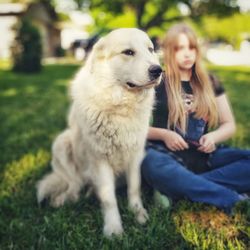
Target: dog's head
(126, 56)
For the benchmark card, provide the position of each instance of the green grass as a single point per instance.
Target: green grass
(33, 111)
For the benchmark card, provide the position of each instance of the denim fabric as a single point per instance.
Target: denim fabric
(229, 176)
(195, 129)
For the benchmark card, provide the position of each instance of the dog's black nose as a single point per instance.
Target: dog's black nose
(154, 71)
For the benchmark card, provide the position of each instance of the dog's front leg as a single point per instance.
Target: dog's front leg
(133, 176)
(105, 186)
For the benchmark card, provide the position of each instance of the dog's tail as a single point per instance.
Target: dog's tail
(50, 186)
(65, 182)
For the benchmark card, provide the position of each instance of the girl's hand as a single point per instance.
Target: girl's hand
(174, 141)
(207, 143)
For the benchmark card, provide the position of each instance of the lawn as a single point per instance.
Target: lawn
(33, 111)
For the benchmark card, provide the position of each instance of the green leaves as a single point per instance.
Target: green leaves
(27, 48)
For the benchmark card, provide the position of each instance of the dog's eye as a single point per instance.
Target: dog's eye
(151, 50)
(128, 52)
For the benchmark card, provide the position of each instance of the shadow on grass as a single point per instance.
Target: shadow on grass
(33, 110)
(74, 226)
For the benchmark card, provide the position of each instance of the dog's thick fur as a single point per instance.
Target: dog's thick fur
(107, 128)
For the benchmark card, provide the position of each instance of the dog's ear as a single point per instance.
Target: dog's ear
(97, 54)
(99, 48)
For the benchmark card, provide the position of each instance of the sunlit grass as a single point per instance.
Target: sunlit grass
(5, 64)
(18, 171)
(208, 228)
(33, 111)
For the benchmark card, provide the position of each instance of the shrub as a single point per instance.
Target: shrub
(27, 48)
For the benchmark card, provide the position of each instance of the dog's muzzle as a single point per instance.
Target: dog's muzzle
(154, 72)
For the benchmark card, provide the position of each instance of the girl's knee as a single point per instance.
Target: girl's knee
(156, 165)
(166, 172)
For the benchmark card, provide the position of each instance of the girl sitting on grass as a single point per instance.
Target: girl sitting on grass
(183, 159)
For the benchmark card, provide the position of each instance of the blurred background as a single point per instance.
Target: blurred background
(42, 45)
(71, 27)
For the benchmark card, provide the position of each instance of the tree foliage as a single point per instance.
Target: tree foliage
(27, 48)
(224, 31)
(160, 10)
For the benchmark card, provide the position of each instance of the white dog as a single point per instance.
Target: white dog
(108, 123)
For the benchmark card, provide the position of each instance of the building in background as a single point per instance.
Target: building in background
(40, 15)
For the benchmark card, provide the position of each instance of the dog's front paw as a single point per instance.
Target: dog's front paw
(112, 229)
(142, 215)
(140, 212)
(58, 201)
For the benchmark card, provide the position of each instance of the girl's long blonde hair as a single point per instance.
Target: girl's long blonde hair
(205, 103)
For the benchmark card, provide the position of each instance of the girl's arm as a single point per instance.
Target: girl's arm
(226, 127)
(172, 140)
(156, 133)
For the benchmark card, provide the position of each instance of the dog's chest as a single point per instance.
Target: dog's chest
(113, 134)
(116, 132)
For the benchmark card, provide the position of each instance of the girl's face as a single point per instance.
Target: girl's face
(185, 54)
